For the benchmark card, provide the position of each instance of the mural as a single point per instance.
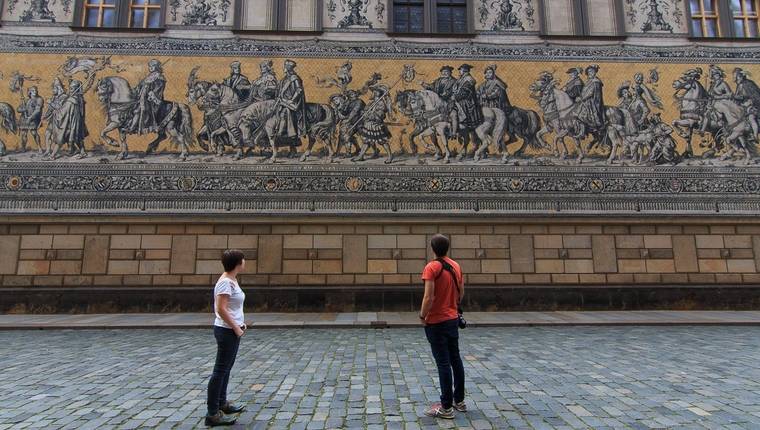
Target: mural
(200, 12)
(41, 11)
(355, 14)
(132, 109)
(655, 16)
(507, 15)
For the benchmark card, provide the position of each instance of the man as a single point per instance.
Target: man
(468, 107)
(644, 92)
(719, 90)
(350, 109)
(291, 103)
(574, 86)
(70, 119)
(238, 82)
(591, 103)
(444, 289)
(150, 95)
(634, 104)
(444, 87)
(265, 87)
(493, 91)
(30, 118)
(747, 94)
(374, 131)
(52, 133)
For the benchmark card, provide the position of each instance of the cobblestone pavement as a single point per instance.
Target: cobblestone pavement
(538, 378)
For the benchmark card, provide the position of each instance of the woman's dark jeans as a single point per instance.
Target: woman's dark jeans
(444, 341)
(227, 344)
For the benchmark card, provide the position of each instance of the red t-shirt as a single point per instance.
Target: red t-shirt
(446, 294)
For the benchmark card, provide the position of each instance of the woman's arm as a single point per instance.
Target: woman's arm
(221, 308)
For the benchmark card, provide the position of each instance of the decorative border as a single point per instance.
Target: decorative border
(391, 48)
(42, 188)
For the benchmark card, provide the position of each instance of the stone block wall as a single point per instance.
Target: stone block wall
(498, 253)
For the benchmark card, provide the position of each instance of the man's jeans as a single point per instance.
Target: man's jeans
(444, 341)
(227, 344)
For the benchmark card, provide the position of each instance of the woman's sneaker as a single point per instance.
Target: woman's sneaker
(437, 411)
(461, 406)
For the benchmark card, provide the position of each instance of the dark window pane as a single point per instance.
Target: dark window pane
(444, 19)
(736, 7)
(739, 27)
(712, 28)
(750, 7)
(138, 2)
(694, 6)
(92, 18)
(417, 19)
(137, 18)
(460, 20)
(109, 17)
(154, 18)
(154, 1)
(710, 7)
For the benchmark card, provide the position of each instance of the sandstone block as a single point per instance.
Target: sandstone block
(9, 250)
(354, 254)
(270, 254)
(184, 253)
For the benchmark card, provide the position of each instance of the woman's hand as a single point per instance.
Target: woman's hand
(238, 331)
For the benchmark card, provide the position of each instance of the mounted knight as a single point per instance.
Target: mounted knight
(150, 96)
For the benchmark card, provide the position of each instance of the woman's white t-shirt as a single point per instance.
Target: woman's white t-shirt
(234, 305)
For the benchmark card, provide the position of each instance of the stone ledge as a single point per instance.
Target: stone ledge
(383, 298)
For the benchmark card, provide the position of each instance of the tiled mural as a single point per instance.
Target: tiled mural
(507, 15)
(353, 110)
(39, 11)
(655, 16)
(200, 12)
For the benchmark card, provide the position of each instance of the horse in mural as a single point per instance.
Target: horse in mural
(427, 109)
(8, 123)
(260, 121)
(692, 98)
(119, 99)
(560, 118)
(524, 124)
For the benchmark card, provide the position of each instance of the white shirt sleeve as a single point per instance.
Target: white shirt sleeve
(224, 287)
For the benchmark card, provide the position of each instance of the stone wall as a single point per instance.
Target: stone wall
(390, 255)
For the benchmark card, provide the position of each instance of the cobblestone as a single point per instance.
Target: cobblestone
(531, 378)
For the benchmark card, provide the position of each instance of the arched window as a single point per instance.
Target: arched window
(119, 14)
(430, 16)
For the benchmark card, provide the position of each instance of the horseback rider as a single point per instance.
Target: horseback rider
(591, 103)
(444, 87)
(574, 86)
(718, 90)
(150, 96)
(467, 105)
(238, 82)
(291, 103)
(493, 93)
(265, 87)
(747, 94)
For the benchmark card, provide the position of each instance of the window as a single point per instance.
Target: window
(431, 16)
(724, 18)
(120, 13)
(582, 17)
(278, 15)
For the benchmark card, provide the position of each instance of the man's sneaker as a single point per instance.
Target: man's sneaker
(229, 408)
(437, 411)
(219, 420)
(461, 406)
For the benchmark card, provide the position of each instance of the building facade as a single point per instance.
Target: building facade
(581, 153)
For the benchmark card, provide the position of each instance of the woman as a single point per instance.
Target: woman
(229, 327)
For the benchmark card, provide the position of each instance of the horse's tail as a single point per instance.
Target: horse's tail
(325, 128)
(532, 128)
(8, 118)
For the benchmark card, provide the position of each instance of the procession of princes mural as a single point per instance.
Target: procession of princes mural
(465, 114)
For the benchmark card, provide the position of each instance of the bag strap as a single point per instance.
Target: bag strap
(447, 267)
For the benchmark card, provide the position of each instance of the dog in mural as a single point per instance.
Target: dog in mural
(173, 120)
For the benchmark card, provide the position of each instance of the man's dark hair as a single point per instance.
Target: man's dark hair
(440, 245)
(231, 258)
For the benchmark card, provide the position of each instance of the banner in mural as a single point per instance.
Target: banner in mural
(127, 109)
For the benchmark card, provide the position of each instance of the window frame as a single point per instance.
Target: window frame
(581, 24)
(279, 20)
(430, 20)
(123, 10)
(725, 21)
